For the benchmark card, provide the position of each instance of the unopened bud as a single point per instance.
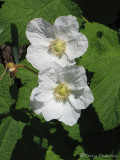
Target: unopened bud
(11, 67)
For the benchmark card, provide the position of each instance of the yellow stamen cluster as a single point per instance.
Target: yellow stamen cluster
(57, 47)
(62, 92)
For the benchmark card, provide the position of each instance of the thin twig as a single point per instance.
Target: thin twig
(85, 19)
(22, 65)
(3, 74)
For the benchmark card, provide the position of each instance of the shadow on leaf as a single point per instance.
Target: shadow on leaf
(37, 137)
(95, 140)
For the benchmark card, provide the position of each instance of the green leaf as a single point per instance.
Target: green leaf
(81, 153)
(51, 155)
(118, 156)
(74, 132)
(10, 132)
(22, 11)
(7, 92)
(103, 58)
(29, 81)
(14, 35)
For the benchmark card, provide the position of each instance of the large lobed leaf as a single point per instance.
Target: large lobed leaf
(29, 81)
(22, 11)
(103, 58)
(8, 92)
(10, 132)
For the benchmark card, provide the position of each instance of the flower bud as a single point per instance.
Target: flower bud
(11, 67)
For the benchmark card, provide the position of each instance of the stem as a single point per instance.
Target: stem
(14, 35)
(15, 52)
(3, 74)
(22, 65)
(85, 19)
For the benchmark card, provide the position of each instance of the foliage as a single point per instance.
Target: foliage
(29, 81)
(22, 11)
(23, 134)
(10, 133)
(5, 93)
(103, 58)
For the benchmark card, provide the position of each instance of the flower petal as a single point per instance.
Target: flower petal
(45, 92)
(50, 70)
(77, 46)
(34, 104)
(72, 62)
(52, 110)
(38, 29)
(65, 25)
(34, 91)
(75, 76)
(69, 115)
(63, 60)
(38, 56)
(81, 99)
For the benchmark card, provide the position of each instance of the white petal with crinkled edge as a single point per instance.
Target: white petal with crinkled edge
(67, 111)
(77, 46)
(40, 34)
(50, 70)
(75, 76)
(65, 26)
(81, 99)
(69, 115)
(45, 90)
(52, 110)
(38, 29)
(34, 104)
(63, 60)
(42, 44)
(39, 48)
(34, 91)
(36, 57)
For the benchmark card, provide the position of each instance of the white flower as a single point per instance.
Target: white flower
(61, 42)
(61, 93)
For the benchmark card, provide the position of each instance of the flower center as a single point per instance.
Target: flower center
(57, 47)
(62, 92)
